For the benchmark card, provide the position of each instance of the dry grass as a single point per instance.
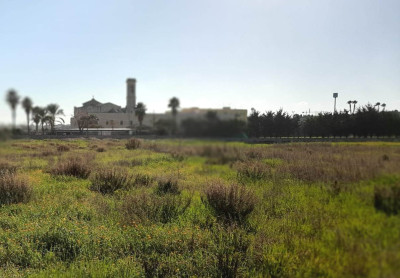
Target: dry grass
(146, 207)
(253, 170)
(63, 148)
(133, 144)
(167, 184)
(108, 180)
(14, 188)
(75, 165)
(232, 203)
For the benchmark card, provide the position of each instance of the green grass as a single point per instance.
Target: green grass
(315, 212)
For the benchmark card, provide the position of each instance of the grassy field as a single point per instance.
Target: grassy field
(110, 208)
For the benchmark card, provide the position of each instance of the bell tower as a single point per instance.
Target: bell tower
(130, 95)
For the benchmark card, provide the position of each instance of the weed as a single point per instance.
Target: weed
(253, 170)
(62, 242)
(62, 148)
(108, 180)
(146, 207)
(387, 198)
(133, 144)
(76, 166)
(167, 184)
(143, 180)
(6, 167)
(230, 248)
(14, 188)
(231, 204)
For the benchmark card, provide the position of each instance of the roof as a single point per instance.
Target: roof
(91, 102)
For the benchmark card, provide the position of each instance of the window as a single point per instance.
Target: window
(122, 122)
(106, 122)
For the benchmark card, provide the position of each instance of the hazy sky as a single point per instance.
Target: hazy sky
(209, 53)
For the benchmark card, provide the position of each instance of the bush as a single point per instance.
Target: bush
(167, 184)
(146, 207)
(254, 170)
(75, 166)
(6, 167)
(230, 248)
(231, 203)
(63, 148)
(14, 188)
(143, 180)
(63, 243)
(108, 180)
(387, 198)
(133, 144)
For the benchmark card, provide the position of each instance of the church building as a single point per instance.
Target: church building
(110, 115)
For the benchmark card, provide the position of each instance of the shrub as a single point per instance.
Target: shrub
(387, 198)
(231, 203)
(133, 144)
(254, 170)
(14, 188)
(167, 184)
(6, 167)
(63, 148)
(108, 180)
(63, 243)
(146, 207)
(143, 180)
(75, 166)
(230, 248)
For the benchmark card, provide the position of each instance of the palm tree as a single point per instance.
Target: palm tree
(140, 111)
(378, 104)
(27, 104)
(43, 117)
(354, 105)
(13, 100)
(349, 103)
(53, 111)
(36, 116)
(384, 106)
(174, 105)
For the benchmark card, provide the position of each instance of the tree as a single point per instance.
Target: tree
(27, 105)
(174, 105)
(354, 106)
(86, 121)
(384, 106)
(377, 104)
(140, 111)
(13, 100)
(53, 111)
(349, 103)
(36, 116)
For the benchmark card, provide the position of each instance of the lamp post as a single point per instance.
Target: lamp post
(335, 95)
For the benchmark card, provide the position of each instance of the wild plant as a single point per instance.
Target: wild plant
(387, 198)
(230, 203)
(76, 166)
(133, 144)
(108, 180)
(14, 188)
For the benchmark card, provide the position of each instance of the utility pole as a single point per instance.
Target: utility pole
(335, 95)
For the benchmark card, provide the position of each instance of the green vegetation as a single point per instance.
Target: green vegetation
(172, 208)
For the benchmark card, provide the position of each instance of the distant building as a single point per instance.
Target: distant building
(111, 115)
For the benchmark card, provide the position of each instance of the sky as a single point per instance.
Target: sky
(262, 54)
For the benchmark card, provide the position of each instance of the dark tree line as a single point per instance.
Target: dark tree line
(212, 126)
(366, 121)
